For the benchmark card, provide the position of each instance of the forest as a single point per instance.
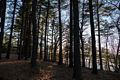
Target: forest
(59, 39)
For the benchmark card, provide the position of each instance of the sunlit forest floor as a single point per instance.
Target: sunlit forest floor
(21, 70)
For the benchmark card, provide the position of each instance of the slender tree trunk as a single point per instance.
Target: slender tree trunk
(99, 41)
(41, 43)
(81, 37)
(41, 53)
(29, 39)
(38, 22)
(89, 51)
(71, 37)
(24, 36)
(53, 23)
(55, 49)
(94, 62)
(27, 36)
(60, 34)
(18, 42)
(47, 47)
(11, 31)
(77, 60)
(45, 39)
(3, 10)
(82, 49)
(20, 55)
(35, 35)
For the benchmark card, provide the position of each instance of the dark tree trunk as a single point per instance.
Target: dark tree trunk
(55, 49)
(41, 44)
(94, 62)
(60, 34)
(41, 53)
(82, 49)
(20, 55)
(48, 56)
(81, 37)
(99, 41)
(45, 39)
(11, 31)
(52, 45)
(77, 61)
(27, 36)
(18, 43)
(71, 37)
(2, 15)
(35, 35)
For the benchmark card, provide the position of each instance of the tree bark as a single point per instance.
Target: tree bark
(99, 41)
(81, 37)
(94, 63)
(2, 14)
(45, 39)
(35, 35)
(71, 37)
(41, 53)
(52, 45)
(77, 60)
(60, 34)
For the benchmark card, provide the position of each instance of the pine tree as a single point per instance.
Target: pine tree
(94, 63)
(35, 35)
(77, 64)
(2, 15)
(60, 33)
(71, 36)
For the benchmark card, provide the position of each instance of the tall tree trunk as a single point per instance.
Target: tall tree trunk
(25, 35)
(81, 37)
(99, 41)
(18, 42)
(41, 41)
(77, 60)
(52, 45)
(45, 39)
(71, 37)
(94, 62)
(20, 55)
(11, 31)
(38, 24)
(60, 34)
(35, 35)
(48, 56)
(55, 49)
(3, 10)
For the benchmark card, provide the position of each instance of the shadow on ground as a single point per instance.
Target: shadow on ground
(21, 70)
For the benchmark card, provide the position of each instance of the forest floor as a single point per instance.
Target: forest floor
(21, 70)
